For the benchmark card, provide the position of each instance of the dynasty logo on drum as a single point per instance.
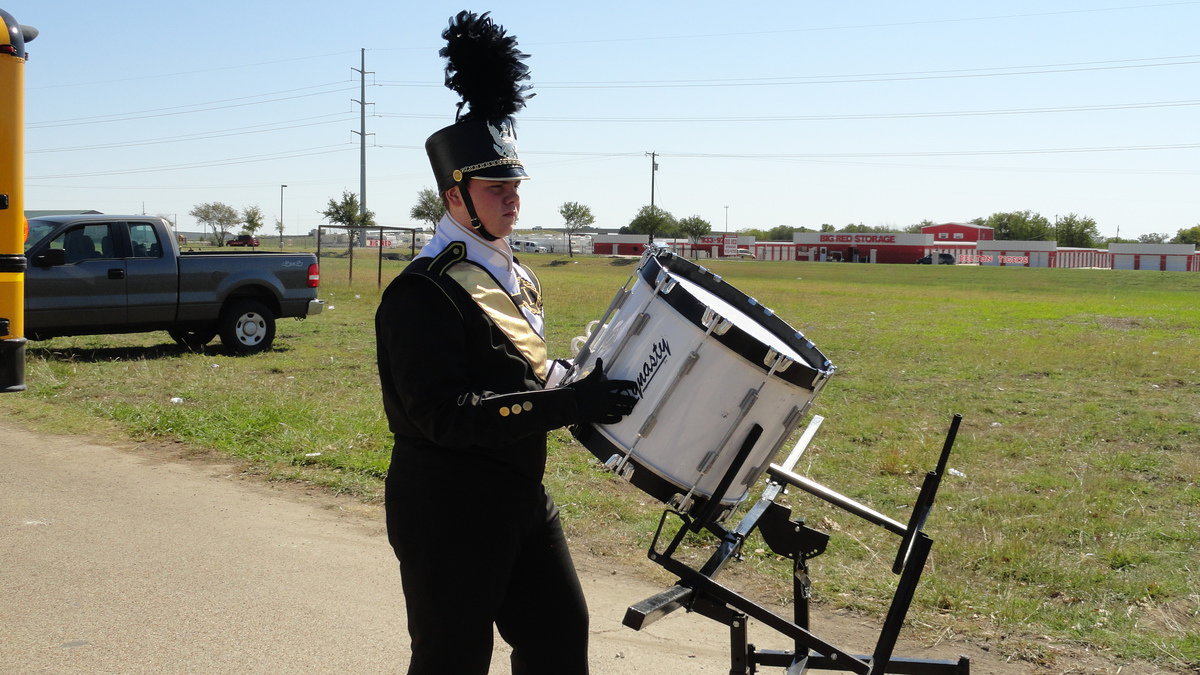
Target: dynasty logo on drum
(659, 352)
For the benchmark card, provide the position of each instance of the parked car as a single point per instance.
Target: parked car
(243, 240)
(100, 274)
(942, 259)
(745, 253)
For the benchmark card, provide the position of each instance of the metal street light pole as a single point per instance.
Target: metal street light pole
(281, 216)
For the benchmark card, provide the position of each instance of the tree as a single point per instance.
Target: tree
(1153, 238)
(860, 228)
(652, 220)
(218, 217)
(252, 220)
(429, 208)
(1189, 235)
(346, 213)
(1018, 225)
(694, 227)
(826, 227)
(1078, 231)
(783, 232)
(575, 217)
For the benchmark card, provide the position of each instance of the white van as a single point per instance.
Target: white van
(528, 247)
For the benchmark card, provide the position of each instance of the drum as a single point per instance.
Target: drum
(723, 383)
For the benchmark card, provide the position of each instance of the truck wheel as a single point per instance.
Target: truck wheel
(247, 327)
(193, 340)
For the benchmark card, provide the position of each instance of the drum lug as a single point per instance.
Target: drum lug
(647, 426)
(748, 401)
(664, 283)
(776, 361)
(652, 418)
(790, 422)
(744, 407)
(619, 301)
(618, 465)
(639, 323)
(793, 417)
(681, 503)
(715, 323)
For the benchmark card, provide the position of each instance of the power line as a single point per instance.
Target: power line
(862, 116)
(814, 29)
(248, 159)
(239, 66)
(177, 110)
(899, 76)
(766, 156)
(854, 79)
(827, 155)
(937, 153)
(200, 136)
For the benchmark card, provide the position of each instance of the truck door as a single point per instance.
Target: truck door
(88, 291)
(152, 275)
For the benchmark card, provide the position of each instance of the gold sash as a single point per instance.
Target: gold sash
(499, 307)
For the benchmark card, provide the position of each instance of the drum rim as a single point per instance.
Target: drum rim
(806, 373)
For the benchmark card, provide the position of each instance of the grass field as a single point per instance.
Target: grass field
(1075, 522)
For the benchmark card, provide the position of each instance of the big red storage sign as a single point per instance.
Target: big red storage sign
(889, 247)
(858, 238)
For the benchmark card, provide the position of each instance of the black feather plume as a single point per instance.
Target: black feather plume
(484, 67)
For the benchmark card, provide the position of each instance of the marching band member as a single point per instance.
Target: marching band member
(463, 367)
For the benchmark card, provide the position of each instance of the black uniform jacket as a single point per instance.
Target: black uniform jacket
(459, 392)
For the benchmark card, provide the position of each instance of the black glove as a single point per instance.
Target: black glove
(602, 400)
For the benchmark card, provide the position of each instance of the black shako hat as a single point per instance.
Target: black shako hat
(485, 68)
(474, 149)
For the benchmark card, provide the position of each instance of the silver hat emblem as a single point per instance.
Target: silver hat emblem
(505, 141)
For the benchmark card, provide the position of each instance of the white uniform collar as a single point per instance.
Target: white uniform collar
(495, 256)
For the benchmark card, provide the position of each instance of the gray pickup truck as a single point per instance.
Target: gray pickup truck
(100, 274)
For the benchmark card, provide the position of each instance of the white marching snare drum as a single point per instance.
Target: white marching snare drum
(714, 370)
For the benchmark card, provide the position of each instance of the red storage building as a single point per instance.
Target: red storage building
(958, 232)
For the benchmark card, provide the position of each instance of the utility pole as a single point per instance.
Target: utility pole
(653, 169)
(362, 131)
(726, 235)
(362, 150)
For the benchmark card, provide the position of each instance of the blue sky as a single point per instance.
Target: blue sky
(787, 113)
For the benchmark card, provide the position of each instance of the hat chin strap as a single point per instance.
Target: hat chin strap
(475, 222)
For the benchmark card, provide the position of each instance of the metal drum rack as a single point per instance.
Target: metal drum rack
(698, 591)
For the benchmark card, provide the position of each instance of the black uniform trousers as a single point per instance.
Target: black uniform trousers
(478, 551)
